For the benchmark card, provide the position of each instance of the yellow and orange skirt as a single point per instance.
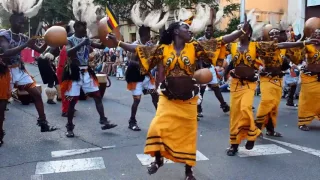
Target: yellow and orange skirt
(271, 92)
(173, 131)
(242, 124)
(309, 106)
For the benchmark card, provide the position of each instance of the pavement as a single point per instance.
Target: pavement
(113, 155)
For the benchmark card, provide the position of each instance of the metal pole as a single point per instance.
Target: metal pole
(242, 10)
(29, 28)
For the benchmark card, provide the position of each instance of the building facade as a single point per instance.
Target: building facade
(298, 11)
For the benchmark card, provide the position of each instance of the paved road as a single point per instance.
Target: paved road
(112, 155)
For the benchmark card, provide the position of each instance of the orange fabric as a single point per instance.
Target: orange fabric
(131, 86)
(5, 86)
(65, 86)
(62, 62)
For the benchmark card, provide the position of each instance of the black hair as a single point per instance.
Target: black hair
(68, 29)
(167, 35)
(251, 31)
(78, 24)
(144, 30)
(15, 15)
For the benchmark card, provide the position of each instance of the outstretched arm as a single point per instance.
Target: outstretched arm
(10, 52)
(301, 44)
(73, 49)
(243, 29)
(123, 45)
(97, 45)
(128, 47)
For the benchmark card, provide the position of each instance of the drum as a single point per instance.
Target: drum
(102, 79)
(25, 98)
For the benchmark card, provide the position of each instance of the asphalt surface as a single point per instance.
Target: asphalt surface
(26, 147)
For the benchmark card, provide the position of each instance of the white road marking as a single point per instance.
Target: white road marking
(64, 153)
(297, 147)
(70, 165)
(146, 159)
(37, 177)
(262, 150)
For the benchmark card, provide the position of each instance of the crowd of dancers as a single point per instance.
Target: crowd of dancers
(258, 51)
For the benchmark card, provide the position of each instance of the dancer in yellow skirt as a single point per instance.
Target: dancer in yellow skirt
(271, 78)
(173, 131)
(245, 62)
(309, 108)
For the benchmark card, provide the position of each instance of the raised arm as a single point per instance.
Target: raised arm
(71, 50)
(242, 29)
(300, 44)
(6, 47)
(123, 45)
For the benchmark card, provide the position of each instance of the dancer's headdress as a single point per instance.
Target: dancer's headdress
(152, 19)
(87, 12)
(197, 21)
(257, 28)
(28, 8)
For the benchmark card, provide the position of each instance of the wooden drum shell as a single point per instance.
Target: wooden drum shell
(102, 79)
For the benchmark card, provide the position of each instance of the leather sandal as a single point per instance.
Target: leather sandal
(154, 166)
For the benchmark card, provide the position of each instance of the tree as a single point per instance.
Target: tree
(4, 18)
(52, 12)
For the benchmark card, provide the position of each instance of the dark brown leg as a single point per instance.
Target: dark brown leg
(42, 121)
(3, 104)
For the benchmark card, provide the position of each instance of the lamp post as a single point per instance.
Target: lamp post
(29, 27)
(242, 10)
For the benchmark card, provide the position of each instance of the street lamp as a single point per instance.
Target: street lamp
(242, 10)
(29, 27)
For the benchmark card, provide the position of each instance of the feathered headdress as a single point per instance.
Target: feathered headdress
(71, 24)
(86, 11)
(152, 19)
(219, 16)
(196, 22)
(256, 27)
(28, 8)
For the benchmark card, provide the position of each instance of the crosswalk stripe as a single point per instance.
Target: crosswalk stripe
(72, 152)
(146, 159)
(71, 165)
(262, 150)
(297, 147)
(37, 177)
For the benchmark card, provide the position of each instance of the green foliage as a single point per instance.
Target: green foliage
(4, 17)
(52, 12)
(55, 11)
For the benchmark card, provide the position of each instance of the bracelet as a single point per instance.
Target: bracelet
(119, 43)
(243, 31)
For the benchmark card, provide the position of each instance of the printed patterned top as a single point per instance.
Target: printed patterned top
(248, 57)
(183, 64)
(7, 34)
(83, 53)
(312, 54)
